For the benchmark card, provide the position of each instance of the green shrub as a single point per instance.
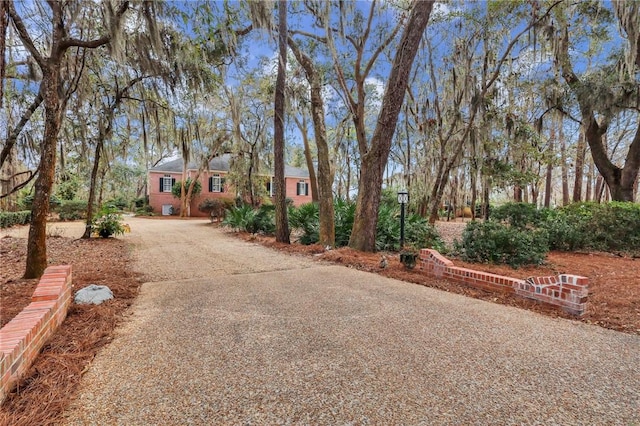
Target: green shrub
(615, 227)
(246, 218)
(494, 242)
(520, 215)
(611, 227)
(344, 215)
(388, 228)
(216, 207)
(108, 222)
(421, 234)
(27, 202)
(9, 219)
(118, 203)
(306, 219)
(72, 209)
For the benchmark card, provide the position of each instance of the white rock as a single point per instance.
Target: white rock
(93, 293)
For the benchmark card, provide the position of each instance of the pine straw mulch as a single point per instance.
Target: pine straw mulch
(50, 384)
(614, 281)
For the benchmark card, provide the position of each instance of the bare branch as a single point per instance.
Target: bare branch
(24, 34)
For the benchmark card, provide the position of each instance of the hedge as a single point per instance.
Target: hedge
(9, 219)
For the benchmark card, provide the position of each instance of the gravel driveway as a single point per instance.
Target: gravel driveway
(228, 332)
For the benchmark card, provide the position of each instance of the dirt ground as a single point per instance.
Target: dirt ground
(614, 302)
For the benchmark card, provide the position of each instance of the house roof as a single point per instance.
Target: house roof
(220, 164)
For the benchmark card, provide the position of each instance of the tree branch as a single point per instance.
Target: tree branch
(24, 34)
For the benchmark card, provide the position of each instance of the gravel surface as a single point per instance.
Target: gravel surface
(260, 337)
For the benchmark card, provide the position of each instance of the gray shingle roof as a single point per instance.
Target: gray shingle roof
(221, 164)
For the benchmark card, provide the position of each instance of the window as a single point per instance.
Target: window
(302, 188)
(166, 183)
(216, 183)
(270, 188)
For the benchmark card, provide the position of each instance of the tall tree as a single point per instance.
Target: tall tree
(600, 100)
(326, 234)
(282, 223)
(374, 154)
(60, 41)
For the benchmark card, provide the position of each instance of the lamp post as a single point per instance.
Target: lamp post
(403, 199)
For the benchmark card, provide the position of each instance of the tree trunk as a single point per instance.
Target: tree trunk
(564, 167)
(88, 228)
(588, 191)
(363, 233)
(327, 236)
(282, 224)
(37, 241)
(309, 160)
(580, 155)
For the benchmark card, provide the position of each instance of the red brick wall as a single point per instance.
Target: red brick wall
(22, 338)
(566, 291)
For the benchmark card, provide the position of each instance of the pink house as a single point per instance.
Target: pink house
(214, 185)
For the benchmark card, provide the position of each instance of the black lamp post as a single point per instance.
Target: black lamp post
(403, 199)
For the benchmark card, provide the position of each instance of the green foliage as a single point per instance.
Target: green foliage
(344, 215)
(68, 188)
(27, 202)
(421, 234)
(306, 218)
(9, 219)
(611, 227)
(246, 218)
(520, 215)
(118, 203)
(140, 202)
(72, 209)
(388, 229)
(176, 189)
(108, 222)
(495, 242)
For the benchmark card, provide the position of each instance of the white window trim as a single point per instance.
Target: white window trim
(166, 183)
(216, 187)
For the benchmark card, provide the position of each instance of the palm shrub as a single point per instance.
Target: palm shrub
(388, 229)
(306, 218)
(345, 212)
(246, 218)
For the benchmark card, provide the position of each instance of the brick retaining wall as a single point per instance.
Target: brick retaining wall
(22, 338)
(566, 291)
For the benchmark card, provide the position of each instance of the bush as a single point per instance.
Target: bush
(9, 219)
(344, 215)
(306, 219)
(520, 215)
(72, 210)
(388, 229)
(494, 242)
(216, 207)
(118, 203)
(611, 227)
(246, 218)
(108, 222)
(421, 234)
(27, 202)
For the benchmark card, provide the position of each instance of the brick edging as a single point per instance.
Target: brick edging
(566, 291)
(22, 338)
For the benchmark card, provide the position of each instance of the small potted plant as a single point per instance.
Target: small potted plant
(108, 223)
(408, 257)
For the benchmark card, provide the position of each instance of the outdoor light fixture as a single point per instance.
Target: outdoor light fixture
(403, 199)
